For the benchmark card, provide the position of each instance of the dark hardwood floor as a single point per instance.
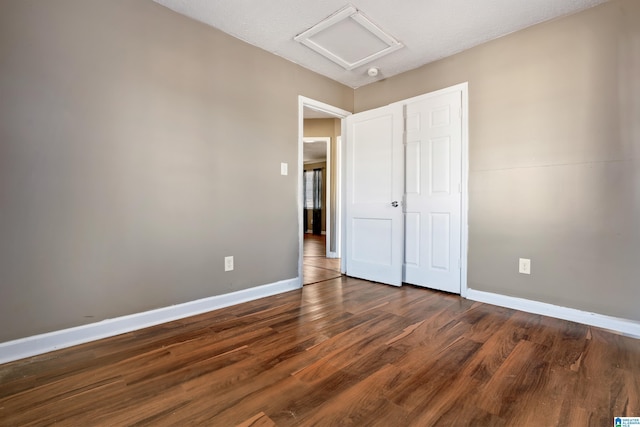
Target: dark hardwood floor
(315, 266)
(340, 352)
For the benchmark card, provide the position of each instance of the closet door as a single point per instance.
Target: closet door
(375, 187)
(434, 191)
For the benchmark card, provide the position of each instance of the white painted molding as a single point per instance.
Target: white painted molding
(334, 112)
(44, 343)
(464, 89)
(623, 326)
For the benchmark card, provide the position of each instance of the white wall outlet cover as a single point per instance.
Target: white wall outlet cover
(524, 266)
(228, 263)
(284, 168)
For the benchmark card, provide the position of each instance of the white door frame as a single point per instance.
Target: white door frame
(334, 112)
(338, 208)
(327, 192)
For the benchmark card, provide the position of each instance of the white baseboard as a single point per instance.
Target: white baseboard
(44, 343)
(623, 326)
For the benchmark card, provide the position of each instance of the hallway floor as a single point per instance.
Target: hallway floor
(315, 265)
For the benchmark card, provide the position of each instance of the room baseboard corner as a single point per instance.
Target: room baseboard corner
(626, 327)
(44, 343)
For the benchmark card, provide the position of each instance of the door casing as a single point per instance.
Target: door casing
(336, 113)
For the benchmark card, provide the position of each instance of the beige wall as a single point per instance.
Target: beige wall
(135, 145)
(320, 127)
(554, 157)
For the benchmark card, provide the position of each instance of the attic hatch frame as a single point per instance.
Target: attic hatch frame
(349, 12)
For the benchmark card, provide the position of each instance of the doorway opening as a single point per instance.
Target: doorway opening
(319, 188)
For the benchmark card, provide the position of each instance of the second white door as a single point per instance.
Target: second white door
(433, 188)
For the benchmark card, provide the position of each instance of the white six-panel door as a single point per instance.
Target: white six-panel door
(433, 191)
(375, 186)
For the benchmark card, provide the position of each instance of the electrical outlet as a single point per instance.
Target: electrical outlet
(228, 263)
(524, 266)
(284, 168)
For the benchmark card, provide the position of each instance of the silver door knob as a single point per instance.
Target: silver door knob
(394, 204)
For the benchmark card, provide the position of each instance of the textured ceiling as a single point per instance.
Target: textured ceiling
(428, 29)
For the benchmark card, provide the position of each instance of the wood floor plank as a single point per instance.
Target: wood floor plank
(457, 403)
(362, 404)
(260, 420)
(522, 371)
(434, 375)
(344, 351)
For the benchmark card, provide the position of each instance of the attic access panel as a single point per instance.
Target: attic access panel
(349, 39)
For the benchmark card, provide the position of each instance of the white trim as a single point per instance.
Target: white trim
(455, 88)
(464, 211)
(327, 189)
(338, 224)
(624, 326)
(44, 343)
(343, 198)
(332, 111)
(327, 202)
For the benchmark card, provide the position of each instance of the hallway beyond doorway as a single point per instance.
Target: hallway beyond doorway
(316, 267)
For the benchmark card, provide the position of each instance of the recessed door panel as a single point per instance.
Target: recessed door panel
(372, 173)
(440, 116)
(440, 165)
(371, 240)
(413, 122)
(412, 165)
(440, 229)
